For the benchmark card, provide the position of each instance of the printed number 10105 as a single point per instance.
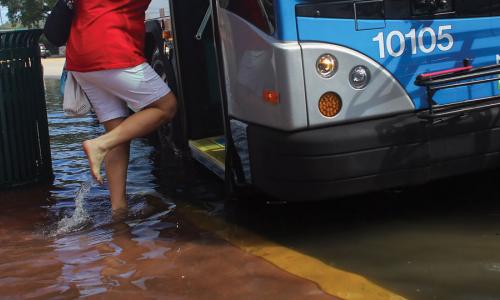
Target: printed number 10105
(425, 40)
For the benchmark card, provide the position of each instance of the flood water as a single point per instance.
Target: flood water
(55, 244)
(440, 241)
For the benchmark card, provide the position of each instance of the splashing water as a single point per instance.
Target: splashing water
(80, 218)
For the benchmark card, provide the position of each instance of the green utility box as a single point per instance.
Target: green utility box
(24, 138)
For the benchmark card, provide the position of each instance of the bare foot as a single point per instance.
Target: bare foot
(95, 155)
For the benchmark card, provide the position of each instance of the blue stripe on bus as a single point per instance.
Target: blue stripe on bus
(476, 38)
(285, 14)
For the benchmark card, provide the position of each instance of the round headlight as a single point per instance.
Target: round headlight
(326, 65)
(359, 77)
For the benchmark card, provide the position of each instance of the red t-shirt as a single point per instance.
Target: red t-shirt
(106, 34)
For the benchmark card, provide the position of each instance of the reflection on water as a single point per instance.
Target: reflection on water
(61, 241)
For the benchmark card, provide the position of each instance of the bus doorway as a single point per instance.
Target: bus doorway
(200, 117)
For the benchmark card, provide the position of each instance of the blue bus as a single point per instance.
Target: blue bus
(320, 99)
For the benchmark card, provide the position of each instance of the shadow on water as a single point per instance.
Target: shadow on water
(438, 241)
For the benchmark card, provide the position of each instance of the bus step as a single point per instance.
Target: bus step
(210, 152)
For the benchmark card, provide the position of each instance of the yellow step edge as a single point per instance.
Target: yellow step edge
(211, 149)
(207, 144)
(333, 281)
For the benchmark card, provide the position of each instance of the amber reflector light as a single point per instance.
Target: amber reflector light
(330, 104)
(270, 96)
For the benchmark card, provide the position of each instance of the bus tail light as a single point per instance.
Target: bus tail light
(330, 104)
(271, 96)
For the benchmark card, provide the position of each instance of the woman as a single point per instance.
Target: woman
(105, 53)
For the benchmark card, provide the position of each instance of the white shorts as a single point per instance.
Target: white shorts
(112, 92)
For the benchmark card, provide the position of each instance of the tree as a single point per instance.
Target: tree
(9, 26)
(29, 13)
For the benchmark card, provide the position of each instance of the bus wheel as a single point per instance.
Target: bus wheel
(158, 64)
(170, 135)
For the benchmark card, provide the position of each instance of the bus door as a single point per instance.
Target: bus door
(399, 47)
(201, 95)
(200, 110)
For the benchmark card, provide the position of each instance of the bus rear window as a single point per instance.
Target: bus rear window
(258, 12)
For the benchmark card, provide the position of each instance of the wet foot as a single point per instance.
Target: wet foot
(95, 155)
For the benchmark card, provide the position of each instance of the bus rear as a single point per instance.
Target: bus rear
(345, 97)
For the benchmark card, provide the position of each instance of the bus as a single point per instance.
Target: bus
(320, 99)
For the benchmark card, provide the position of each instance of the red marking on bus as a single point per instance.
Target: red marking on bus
(449, 71)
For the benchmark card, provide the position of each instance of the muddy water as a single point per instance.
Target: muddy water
(61, 242)
(440, 241)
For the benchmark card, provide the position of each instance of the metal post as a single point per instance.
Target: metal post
(233, 164)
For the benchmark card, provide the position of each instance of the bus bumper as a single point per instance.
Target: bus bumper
(355, 158)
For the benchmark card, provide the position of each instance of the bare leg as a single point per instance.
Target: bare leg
(135, 126)
(116, 169)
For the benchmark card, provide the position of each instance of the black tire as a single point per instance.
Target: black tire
(158, 64)
(171, 134)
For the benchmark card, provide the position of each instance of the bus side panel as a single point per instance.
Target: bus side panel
(255, 62)
(407, 48)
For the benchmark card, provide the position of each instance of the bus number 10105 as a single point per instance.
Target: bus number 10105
(389, 44)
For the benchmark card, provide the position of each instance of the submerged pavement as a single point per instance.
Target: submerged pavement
(439, 241)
